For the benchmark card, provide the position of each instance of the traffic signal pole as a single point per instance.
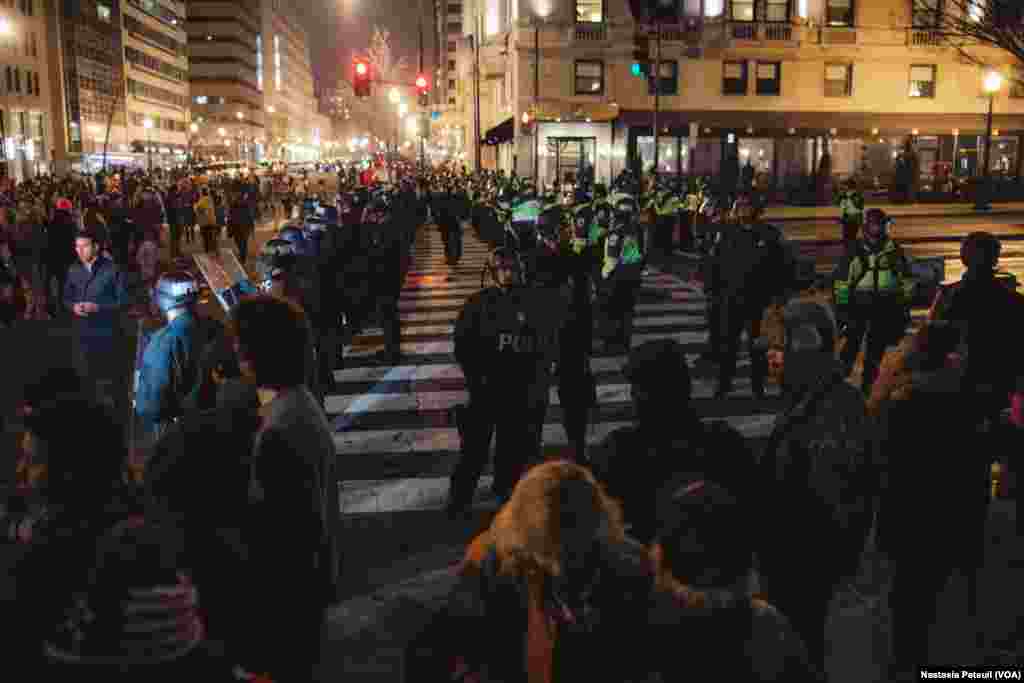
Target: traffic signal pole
(420, 70)
(657, 89)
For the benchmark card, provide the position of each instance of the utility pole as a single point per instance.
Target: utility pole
(536, 103)
(657, 90)
(420, 71)
(476, 89)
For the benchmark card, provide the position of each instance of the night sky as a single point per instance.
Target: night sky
(336, 27)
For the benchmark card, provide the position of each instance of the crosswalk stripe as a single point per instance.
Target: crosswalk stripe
(400, 418)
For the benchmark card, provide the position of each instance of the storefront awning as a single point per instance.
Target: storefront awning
(500, 134)
(844, 124)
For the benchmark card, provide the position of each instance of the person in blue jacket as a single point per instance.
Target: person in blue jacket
(168, 372)
(95, 293)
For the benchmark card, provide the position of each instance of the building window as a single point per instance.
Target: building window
(927, 13)
(451, 101)
(734, 78)
(839, 12)
(34, 43)
(451, 46)
(456, 27)
(103, 12)
(589, 77)
(1017, 83)
(776, 10)
(922, 80)
(259, 62)
(277, 63)
(769, 78)
(17, 80)
(590, 11)
(26, 7)
(10, 80)
(838, 80)
(451, 85)
(451, 65)
(742, 10)
(454, 9)
(668, 79)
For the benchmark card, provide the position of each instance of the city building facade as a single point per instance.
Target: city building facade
(120, 75)
(226, 78)
(777, 84)
(252, 83)
(26, 121)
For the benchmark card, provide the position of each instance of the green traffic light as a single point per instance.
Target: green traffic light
(636, 69)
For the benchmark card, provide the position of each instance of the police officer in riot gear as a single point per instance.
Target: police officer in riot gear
(278, 267)
(168, 372)
(506, 341)
(386, 249)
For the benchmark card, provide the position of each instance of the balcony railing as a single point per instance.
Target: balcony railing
(743, 31)
(757, 32)
(591, 33)
(924, 37)
(688, 33)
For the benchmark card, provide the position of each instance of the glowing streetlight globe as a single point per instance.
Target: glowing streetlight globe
(993, 82)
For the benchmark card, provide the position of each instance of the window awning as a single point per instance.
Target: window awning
(500, 134)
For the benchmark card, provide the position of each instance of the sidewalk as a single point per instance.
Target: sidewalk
(804, 213)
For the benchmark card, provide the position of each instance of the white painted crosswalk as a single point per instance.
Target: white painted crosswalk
(396, 438)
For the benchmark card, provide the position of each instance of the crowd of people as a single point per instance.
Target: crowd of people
(672, 530)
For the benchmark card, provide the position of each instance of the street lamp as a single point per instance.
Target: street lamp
(193, 128)
(147, 123)
(992, 84)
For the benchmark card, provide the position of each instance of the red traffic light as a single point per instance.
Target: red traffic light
(421, 82)
(360, 68)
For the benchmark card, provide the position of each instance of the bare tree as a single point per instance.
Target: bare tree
(970, 26)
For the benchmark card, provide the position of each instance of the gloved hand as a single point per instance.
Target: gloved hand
(608, 268)
(578, 244)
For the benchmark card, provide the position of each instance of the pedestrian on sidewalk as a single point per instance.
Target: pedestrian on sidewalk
(242, 225)
(206, 217)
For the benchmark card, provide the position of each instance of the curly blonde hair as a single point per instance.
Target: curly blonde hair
(554, 500)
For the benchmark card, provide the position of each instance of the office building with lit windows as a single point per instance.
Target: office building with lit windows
(26, 124)
(252, 83)
(122, 73)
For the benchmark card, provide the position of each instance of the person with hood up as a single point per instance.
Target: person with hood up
(820, 460)
(703, 556)
(667, 440)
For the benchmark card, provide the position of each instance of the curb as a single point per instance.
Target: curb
(930, 214)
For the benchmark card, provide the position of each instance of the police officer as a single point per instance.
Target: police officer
(620, 277)
(168, 372)
(875, 296)
(279, 271)
(385, 253)
(747, 272)
(559, 269)
(506, 341)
